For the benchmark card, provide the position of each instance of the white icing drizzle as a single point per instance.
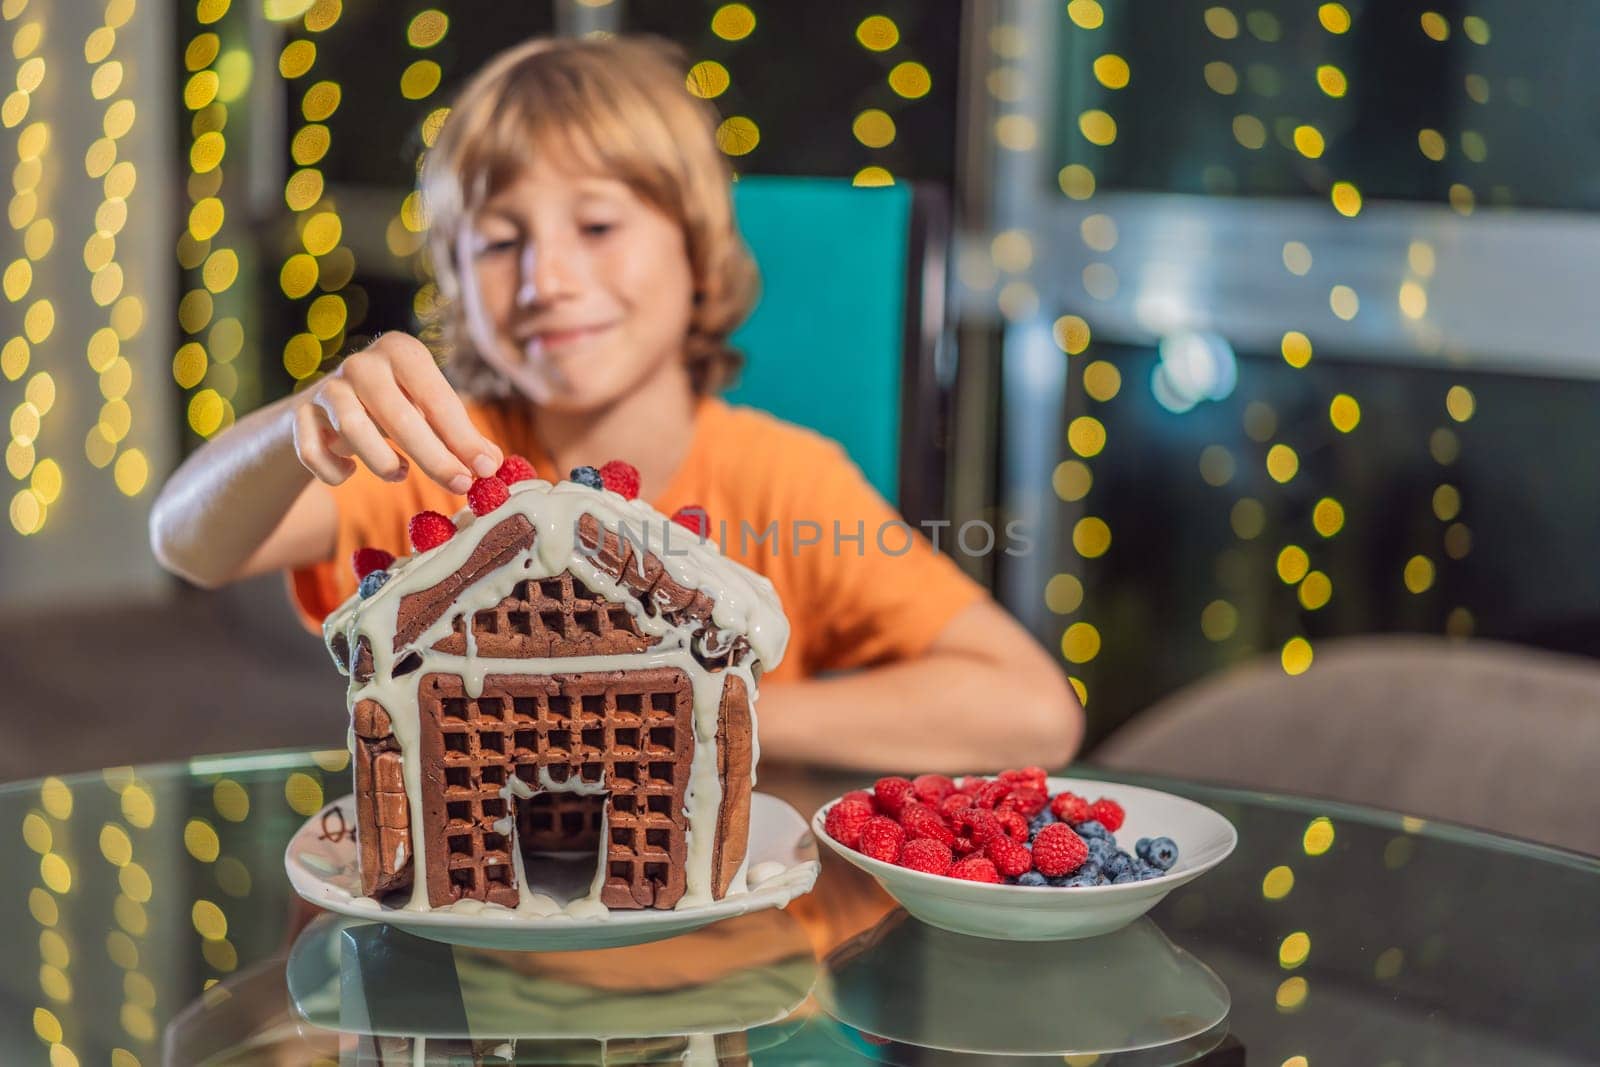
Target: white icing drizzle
(765, 872)
(701, 1050)
(744, 604)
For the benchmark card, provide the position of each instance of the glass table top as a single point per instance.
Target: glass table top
(148, 920)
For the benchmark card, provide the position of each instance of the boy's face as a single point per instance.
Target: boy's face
(574, 288)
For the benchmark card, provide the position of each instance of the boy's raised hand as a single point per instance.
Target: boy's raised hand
(384, 404)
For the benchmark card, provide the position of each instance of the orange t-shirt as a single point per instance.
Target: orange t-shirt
(768, 487)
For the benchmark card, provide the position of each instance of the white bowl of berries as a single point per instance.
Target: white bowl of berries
(1023, 856)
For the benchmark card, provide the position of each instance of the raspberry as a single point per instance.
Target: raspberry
(954, 803)
(1009, 858)
(1034, 776)
(693, 517)
(1069, 807)
(845, 820)
(976, 869)
(1024, 799)
(977, 825)
(429, 529)
(516, 469)
(891, 794)
(881, 838)
(990, 794)
(1107, 813)
(1015, 826)
(972, 783)
(367, 560)
(863, 796)
(922, 821)
(487, 494)
(1057, 850)
(926, 855)
(932, 788)
(620, 477)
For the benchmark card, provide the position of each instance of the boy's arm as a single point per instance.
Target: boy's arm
(257, 499)
(243, 504)
(982, 697)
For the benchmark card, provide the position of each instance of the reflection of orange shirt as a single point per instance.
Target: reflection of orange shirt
(851, 602)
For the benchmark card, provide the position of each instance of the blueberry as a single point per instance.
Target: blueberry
(1092, 828)
(1163, 853)
(587, 476)
(1081, 879)
(1146, 872)
(1119, 864)
(1062, 880)
(1142, 848)
(1124, 878)
(373, 582)
(1101, 850)
(1032, 878)
(1040, 821)
(1090, 868)
(1102, 879)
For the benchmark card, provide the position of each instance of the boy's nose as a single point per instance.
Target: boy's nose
(544, 277)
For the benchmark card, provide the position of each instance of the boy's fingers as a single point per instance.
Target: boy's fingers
(311, 445)
(407, 427)
(351, 421)
(426, 385)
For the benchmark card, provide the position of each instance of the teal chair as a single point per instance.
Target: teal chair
(847, 334)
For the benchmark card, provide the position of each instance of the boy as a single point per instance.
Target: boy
(583, 241)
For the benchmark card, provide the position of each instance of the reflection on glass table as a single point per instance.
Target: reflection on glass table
(1131, 992)
(397, 998)
(149, 921)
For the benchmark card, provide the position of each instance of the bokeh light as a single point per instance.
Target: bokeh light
(733, 22)
(738, 135)
(708, 79)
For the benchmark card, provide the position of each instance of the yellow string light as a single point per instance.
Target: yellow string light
(33, 320)
(733, 22)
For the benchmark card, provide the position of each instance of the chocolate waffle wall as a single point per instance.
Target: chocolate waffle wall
(626, 733)
(570, 822)
(383, 818)
(550, 617)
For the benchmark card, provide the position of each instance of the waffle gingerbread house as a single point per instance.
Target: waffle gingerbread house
(557, 670)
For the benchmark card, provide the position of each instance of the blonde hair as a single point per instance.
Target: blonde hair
(622, 104)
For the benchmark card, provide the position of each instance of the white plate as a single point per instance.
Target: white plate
(1047, 913)
(323, 869)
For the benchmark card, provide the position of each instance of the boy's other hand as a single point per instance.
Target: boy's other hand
(387, 405)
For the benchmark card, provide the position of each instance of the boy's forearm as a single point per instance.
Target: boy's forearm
(226, 499)
(937, 713)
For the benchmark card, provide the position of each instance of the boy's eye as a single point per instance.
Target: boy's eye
(597, 229)
(493, 244)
